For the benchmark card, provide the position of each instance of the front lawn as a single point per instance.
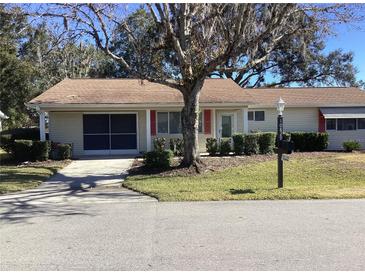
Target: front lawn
(306, 176)
(16, 178)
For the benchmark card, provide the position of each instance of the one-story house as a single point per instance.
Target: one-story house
(122, 116)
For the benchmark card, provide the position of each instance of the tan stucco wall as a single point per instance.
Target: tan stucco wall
(295, 119)
(66, 127)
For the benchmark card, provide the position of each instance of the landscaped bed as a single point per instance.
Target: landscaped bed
(25, 176)
(315, 175)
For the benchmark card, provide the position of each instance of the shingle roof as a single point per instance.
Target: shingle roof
(131, 91)
(308, 96)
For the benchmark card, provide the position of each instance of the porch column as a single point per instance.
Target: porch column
(148, 129)
(214, 127)
(245, 120)
(42, 126)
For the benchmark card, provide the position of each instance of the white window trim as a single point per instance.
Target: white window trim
(168, 122)
(325, 125)
(357, 124)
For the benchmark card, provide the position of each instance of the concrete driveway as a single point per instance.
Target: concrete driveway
(89, 180)
(243, 235)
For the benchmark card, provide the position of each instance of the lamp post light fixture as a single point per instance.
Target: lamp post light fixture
(280, 108)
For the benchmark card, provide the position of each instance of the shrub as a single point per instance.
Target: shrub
(238, 140)
(351, 145)
(6, 143)
(61, 151)
(40, 150)
(266, 142)
(158, 159)
(159, 144)
(23, 150)
(309, 141)
(212, 146)
(225, 146)
(250, 144)
(23, 133)
(177, 146)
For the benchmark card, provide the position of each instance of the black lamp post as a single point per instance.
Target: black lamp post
(280, 108)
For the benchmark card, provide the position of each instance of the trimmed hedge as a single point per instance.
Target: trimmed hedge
(9, 136)
(40, 150)
(266, 142)
(309, 141)
(61, 151)
(225, 146)
(351, 145)
(238, 140)
(158, 159)
(23, 150)
(212, 146)
(250, 144)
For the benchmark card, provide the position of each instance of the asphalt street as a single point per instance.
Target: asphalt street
(148, 235)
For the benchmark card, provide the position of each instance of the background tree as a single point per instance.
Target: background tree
(195, 40)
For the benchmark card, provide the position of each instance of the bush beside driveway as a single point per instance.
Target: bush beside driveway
(306, 176)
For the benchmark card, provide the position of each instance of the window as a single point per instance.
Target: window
(259, 115)
(346, 124)
(361, 123)
(200, 129)
(162, 122)
(174, 122)
(330, 124)
(250, 115)
(256, 115)
(169, 122)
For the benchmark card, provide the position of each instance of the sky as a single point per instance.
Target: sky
(350, 39)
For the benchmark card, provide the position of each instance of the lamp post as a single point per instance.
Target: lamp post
(280, 108)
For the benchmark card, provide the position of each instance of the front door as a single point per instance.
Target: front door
(227, 125)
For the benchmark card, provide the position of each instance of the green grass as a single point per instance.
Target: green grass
(13, 178)
(323, 176)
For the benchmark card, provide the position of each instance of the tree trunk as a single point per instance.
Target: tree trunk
(190, 124)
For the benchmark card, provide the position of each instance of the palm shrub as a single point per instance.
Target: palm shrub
(238, 140)
(159, 144)
(351, 145)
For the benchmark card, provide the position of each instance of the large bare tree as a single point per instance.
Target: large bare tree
(188, 42)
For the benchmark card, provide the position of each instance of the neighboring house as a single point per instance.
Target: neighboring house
(2, 117)
(120, 116)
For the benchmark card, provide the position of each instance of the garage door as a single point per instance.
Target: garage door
(110, 133)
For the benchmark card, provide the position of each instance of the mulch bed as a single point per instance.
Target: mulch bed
(212, 164)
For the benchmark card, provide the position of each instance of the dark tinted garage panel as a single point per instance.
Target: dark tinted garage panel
(96, 123)
(96, 142)
(123, 123)
(125, 141)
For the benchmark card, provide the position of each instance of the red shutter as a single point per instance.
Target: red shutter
(321, 122)
(207, 121)
(153, 122)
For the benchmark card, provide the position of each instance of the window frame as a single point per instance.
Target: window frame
(201, 114)
(168, 122)
(253, 112)
(169, 115)
(346, 119)
(335, 129)
(358, 123)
